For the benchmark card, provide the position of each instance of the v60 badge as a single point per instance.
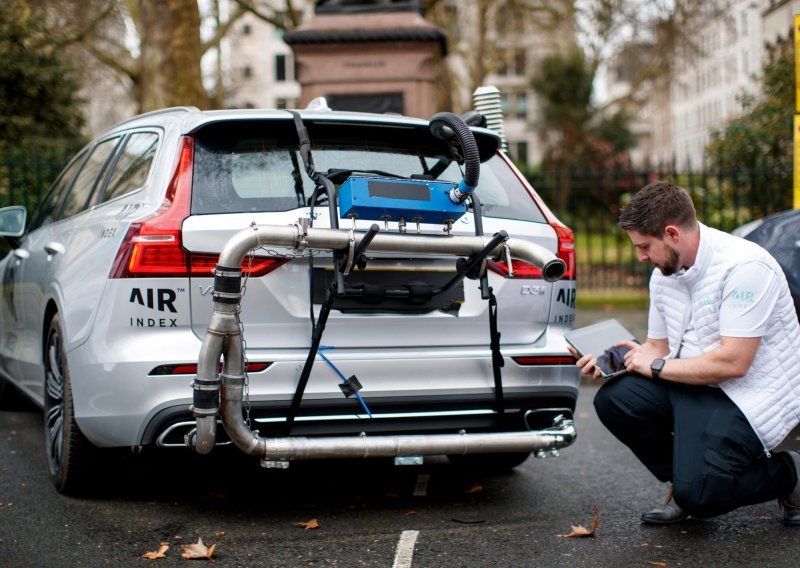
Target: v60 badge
(529, 290)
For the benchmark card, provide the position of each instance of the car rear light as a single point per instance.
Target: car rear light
(545, 360)
(202, 264)
(153, 248)
(191, 369)
(566, 249)
(525, 270)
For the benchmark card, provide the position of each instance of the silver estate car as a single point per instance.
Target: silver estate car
(110, 289)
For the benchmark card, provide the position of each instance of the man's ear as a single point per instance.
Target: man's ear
(672, 232)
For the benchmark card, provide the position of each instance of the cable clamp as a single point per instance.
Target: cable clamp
(302, 234)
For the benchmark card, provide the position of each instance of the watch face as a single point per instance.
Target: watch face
(657, 365)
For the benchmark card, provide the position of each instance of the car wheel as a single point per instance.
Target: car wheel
(491, 463)
(68, 450)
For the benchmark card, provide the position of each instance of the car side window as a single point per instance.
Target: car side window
(45, 213)
(78, 197)
(133, 165)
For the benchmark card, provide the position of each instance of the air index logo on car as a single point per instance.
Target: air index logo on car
(158, 299)
(164, 297)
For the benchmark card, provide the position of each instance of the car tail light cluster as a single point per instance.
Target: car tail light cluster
(525, 270)
(153, 248)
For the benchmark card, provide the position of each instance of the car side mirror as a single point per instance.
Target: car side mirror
(12, 223)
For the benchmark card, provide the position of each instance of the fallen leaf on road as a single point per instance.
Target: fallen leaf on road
(160, 553)
(581, 531)
(413, 514)
(658, 563)
(220, 534)
(197, 550)
(312, 524)
(475, 488)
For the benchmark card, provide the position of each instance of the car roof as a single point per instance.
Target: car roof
(191, 119)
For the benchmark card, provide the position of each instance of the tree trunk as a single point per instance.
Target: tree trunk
(170, 55)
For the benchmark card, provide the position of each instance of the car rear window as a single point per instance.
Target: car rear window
(255, 166)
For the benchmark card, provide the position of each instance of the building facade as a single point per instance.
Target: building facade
(707, 88)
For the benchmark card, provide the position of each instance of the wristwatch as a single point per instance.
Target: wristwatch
(656, 367)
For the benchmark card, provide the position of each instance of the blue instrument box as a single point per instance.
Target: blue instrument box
(379, 199)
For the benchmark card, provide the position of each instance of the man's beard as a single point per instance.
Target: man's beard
(672, 264)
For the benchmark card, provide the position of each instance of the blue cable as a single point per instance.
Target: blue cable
(344, 379)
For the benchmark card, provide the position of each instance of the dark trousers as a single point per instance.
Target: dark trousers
(696, 438)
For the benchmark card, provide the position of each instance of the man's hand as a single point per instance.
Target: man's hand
(641, 356)
(587, 364)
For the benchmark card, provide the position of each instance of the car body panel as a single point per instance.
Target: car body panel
(119, 331)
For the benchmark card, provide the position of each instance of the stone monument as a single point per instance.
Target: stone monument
(379, 56)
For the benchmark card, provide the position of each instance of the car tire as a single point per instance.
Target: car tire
(68, 451)
(490, 463)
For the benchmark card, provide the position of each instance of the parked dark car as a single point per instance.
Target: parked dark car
(780, 235)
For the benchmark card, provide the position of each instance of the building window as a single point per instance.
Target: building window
(521, 154)
(519, 62)
(283, 102)
(280, 67)
(522, 106)
(247, 71)
(246, 29)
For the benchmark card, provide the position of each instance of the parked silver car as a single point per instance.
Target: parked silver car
(109, 290)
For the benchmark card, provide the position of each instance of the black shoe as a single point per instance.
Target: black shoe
(667, 514)
(791, 503)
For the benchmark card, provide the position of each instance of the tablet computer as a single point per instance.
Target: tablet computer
(598, 340)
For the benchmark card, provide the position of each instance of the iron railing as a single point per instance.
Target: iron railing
(589, 201)
(26, 173)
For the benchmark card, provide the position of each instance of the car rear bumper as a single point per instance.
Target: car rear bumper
(119, 403)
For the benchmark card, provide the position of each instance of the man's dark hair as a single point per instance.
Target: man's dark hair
(657, 205)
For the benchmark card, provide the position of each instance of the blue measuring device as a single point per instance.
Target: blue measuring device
(388, 199)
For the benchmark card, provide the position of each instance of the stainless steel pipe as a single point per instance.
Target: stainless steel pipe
(223, 341)
(296, 237)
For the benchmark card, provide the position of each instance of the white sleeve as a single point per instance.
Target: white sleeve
(748, 300)
(656, 326)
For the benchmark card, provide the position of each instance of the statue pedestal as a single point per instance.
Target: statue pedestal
(373, 62)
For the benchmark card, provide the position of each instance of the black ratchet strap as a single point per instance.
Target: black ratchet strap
(321, 180)
(497, 357)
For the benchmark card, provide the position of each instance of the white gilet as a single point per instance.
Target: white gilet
(769, 394)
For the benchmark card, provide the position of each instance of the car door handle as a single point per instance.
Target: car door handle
(21, 254)
(53, 248)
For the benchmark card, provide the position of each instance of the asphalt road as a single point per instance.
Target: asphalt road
(369, 514)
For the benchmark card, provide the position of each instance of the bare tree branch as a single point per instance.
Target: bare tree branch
(222, 30)
(275, 18)
(103, 56)
(82, 34)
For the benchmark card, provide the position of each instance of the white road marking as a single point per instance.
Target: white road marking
(405, 549)
(421, 489)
